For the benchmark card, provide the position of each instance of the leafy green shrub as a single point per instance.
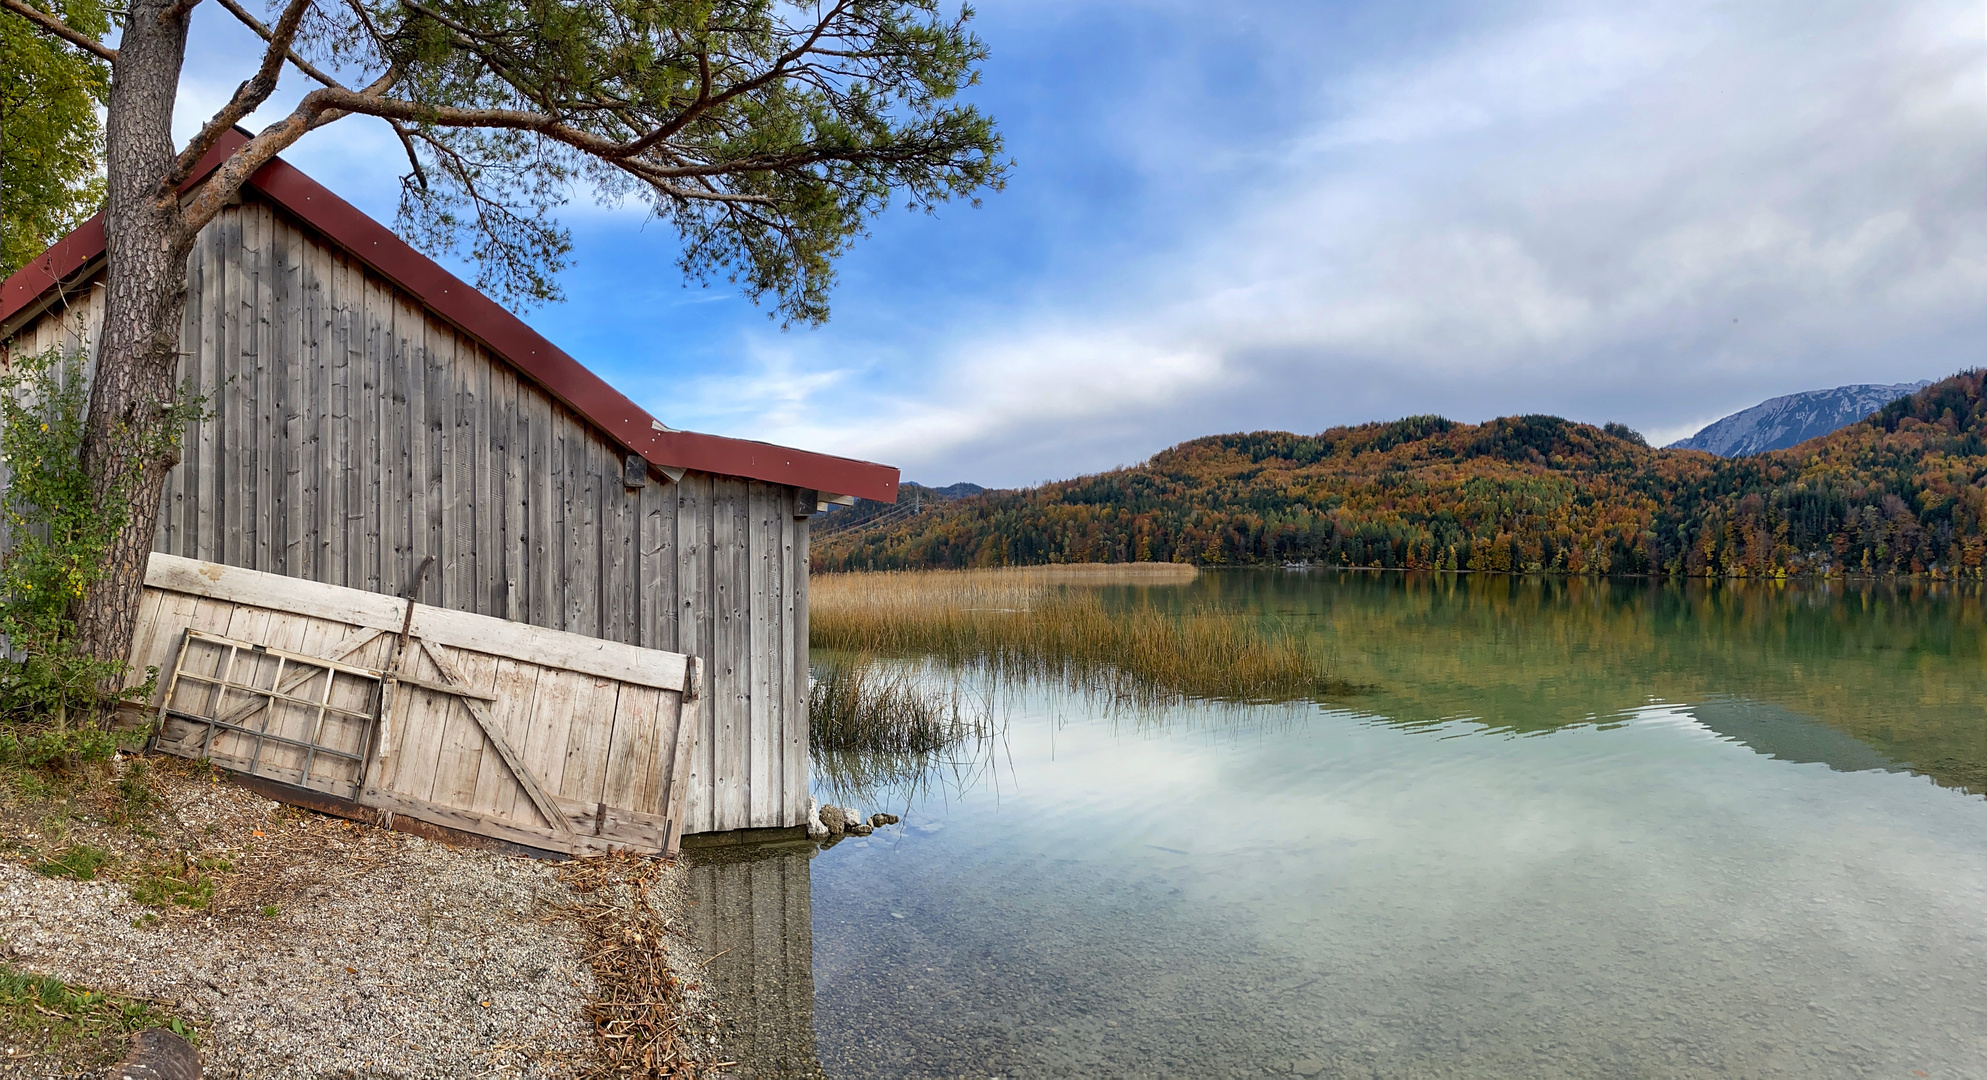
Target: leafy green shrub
(61, 530)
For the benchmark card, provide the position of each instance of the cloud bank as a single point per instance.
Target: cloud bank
(1265, 215)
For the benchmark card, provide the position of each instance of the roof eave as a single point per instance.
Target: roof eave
(506, 335)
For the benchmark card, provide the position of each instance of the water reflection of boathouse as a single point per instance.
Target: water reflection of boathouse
(754, 923)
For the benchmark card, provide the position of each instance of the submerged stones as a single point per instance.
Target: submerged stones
(832, 822)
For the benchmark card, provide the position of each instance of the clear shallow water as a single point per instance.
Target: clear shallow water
(1576, 829)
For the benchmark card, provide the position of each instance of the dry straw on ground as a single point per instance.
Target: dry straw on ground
(1051, 622)
(648, 1013)
(302, 945)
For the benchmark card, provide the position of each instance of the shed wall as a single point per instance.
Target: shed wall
(351, 433)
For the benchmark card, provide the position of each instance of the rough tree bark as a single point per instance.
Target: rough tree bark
(133, 391)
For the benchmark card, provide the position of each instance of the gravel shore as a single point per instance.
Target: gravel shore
(329, 949)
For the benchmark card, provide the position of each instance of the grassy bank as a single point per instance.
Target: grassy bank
(1051, 622)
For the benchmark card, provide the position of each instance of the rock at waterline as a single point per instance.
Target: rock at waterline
(816, 829)
(879, 820)
(833, 817)
(860, 829)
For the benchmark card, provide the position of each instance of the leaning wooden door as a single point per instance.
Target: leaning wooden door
(542, 738)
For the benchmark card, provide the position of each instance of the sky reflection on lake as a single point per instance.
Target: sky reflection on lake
(1734, 872)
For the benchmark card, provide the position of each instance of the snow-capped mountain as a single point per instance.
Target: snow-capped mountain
(1783, 421)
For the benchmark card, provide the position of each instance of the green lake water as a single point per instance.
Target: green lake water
(1570, 829)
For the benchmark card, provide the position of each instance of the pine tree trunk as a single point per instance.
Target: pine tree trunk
(132, 394)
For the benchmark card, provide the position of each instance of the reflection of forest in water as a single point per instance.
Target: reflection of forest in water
(1788, 668)
(754, 923)
(1337, 865)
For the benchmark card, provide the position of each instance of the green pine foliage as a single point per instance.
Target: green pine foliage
(1903, 492)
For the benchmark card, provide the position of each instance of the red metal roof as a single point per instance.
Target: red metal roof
(505, 334)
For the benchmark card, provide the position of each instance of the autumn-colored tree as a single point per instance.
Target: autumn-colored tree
(1903, 492)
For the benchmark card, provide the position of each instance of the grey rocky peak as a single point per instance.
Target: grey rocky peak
(1781, 422)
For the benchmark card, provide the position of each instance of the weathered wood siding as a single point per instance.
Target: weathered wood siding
(352, 433)
(755, 925)
(566, 742)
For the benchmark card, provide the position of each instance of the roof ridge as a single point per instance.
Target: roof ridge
(501, 331)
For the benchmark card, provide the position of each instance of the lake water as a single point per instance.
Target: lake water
(1573, 829)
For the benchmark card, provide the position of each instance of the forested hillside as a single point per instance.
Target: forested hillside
(1904, 491)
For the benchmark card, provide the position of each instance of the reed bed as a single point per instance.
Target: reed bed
(1044, 623)
(875, 727)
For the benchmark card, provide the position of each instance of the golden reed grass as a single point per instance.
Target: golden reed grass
(1045, 622)
(875, 726)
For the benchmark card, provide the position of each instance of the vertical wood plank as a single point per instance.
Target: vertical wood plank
(423, 436)
(762, 604)
(633, 754)
(516, 457)
(620, 529)
(507, 478)
(320, 481)
(262, 484)
(497, 793)
(336, 560)
(793, 730)
(384, 464)
(484, 570)
(465, 750)
(293, 375)
(546, 483)
(732, 653)
(229, 452)
(695, 637)
(420, 722)
(657, 569)
(559, 696)
(445, 404)
(586, 739)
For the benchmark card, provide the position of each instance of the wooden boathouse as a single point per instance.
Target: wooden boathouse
(385, 431)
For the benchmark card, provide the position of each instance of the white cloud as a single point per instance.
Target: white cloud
(1650, 213)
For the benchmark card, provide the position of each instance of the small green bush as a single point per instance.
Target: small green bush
(61, 530)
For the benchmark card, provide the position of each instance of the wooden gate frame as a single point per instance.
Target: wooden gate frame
(574, 829)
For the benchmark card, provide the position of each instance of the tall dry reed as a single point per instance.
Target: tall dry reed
(876, 726)
(1035, 622)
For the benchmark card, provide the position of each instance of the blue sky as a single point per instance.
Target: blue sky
(1243, 215)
